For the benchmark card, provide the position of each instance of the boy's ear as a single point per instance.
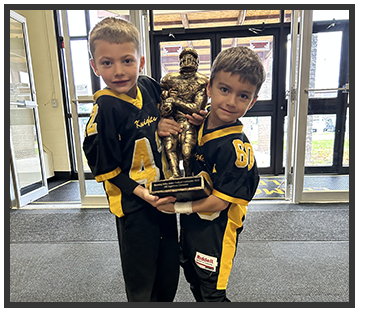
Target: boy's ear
(142, 63)
(92, 62)
(209, 89)
(252, 103)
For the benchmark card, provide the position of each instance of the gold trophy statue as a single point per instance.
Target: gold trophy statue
(183, 92)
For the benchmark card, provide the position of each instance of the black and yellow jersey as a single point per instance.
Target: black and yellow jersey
(226, 155)
(121, 143)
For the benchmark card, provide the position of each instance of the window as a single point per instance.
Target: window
(170, 52)
(325, 64)
(258, 132)
(320, 140)
(322, 15)
(80, 22)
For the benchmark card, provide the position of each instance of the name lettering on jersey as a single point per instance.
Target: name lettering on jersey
(199, 157)
(147, 121)
(207, 262)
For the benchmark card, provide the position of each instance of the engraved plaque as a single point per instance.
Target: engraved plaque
(184, 189)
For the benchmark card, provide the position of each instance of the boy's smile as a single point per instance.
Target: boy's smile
(230, 99)
(119, 65)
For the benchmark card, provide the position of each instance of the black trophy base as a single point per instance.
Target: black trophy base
(184, 189)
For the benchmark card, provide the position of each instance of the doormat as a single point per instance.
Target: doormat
(270, 187)
(273, 187)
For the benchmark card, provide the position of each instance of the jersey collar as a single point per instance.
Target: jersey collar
(138, 101)
(218, 133)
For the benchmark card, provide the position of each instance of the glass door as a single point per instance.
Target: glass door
(170, 50)
(28, 178)
(319, 136)
(82, 84)
(209, 39)
(258, 128)
(80, 96)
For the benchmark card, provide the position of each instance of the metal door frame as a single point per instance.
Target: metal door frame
(262, 108)
(138, 18)
(297, 122)
(15, 195)
(86, 200)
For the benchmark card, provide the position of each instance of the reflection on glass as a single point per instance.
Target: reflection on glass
(81, 67)
(22, 123)
(263, 46)
(325, 63)
(170, 55)
(346, 146)
(258, 132)
(25, 148)
(320, 140)
(19, 77)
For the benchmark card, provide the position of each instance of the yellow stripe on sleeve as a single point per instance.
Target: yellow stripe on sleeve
(109, 175)
(229, 198)
(115, 198)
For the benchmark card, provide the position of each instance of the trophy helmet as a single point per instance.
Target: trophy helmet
(189, 59)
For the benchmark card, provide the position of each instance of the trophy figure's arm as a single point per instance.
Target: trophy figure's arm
(166, 108)
(164, 94)
(200, 101)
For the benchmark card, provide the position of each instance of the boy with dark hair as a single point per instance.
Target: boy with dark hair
(223, 154)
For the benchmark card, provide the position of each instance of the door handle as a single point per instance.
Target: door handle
(345, 88)
(25, 104)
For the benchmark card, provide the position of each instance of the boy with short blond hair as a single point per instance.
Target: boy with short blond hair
(223, 155)
(124, 152)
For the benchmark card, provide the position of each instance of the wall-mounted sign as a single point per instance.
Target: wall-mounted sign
(81, 89)
(172, 49)
(260, 45)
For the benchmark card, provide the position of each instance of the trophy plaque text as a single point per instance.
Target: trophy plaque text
(184, 189)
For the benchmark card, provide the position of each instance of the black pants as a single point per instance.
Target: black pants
(206, 267)
(150, 255)
(202, 291)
